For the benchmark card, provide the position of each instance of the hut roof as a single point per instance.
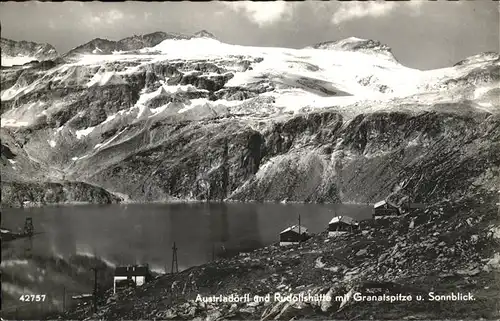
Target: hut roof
(81, 296)
(131, 271)
(344, 219)
(384, 202)
(295, 229)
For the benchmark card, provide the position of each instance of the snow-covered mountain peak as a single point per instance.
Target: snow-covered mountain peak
(357, 44)
(480, 58)
(21, 52)
(204, 34)
(94, 46)
(204, 76)
(99, 46)
(350, 40)
(188, 47)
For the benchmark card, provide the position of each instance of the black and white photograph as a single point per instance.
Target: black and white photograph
(250, 160)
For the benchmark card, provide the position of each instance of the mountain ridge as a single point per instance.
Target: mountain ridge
(135, 42)
(108, 112)
(357, 44)
(152, 39)
(20, 52)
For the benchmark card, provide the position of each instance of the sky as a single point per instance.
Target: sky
(422, 34)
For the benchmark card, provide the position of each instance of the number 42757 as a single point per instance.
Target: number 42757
(32, 297)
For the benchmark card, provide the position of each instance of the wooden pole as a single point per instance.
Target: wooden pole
(174, 259)
(95, 289)
(64, 299)
(299, 225)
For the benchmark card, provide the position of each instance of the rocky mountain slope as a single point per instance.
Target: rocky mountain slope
(21, 52)
(160, 117)
(103, 46)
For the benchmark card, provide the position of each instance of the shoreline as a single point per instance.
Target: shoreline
(187, 201)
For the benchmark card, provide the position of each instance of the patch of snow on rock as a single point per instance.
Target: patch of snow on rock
(84, 132)
(105, 78)
(52, 143)
(13, 123)
(9, 61)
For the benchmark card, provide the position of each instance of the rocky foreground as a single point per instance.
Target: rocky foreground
(444, 249)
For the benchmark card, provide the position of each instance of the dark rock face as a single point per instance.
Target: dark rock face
(233, 93)
(143, 41)
(313, 158)
(94, 105)
(477, 76)
(183, 97)
(204, 34)
(7, 153)
(205, 67)
(9, 78)
(36, 194)
(104, 46)
(210, 83)
(242, 93)
(27, 48)
(49, 64)
(111, 99)
(486, 56)
(354, 44)
(189, 158)
(97, 46)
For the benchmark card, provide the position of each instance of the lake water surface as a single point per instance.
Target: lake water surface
(139, 234)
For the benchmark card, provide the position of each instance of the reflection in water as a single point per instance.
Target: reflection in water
(224, 222)
(218, 228)
(144, 234)
(232, 229)
(139, 234)
(63, 239)
(246, 230)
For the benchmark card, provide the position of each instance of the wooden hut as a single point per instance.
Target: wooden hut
(341, 225)
(135, 275)
(294, 235)
(384, 208)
